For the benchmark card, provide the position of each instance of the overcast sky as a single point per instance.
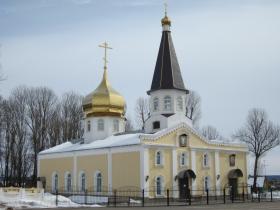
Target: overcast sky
(228, 51)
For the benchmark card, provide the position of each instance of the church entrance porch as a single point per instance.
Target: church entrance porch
(233, 176)
(184, 181)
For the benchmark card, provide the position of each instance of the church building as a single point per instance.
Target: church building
(168, 154)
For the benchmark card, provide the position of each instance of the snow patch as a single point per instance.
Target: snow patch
(46, 201)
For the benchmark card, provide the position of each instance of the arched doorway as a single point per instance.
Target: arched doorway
(233, 176)
(184, 181)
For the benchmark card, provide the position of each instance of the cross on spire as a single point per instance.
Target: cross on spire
(165, 8)
(105, 46)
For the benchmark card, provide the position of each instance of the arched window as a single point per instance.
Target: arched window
(98, 182)
(206, 183)
(68, 182)
(155, 104)
(205, 160)
(183, 159)
(232, 160)
(88, 126)
(179, 103)
(116, 125)
(100, 125)
(167, 103)
(183, 140)
(159, 185)
(159, 158)
(54, 182)
(82, 181)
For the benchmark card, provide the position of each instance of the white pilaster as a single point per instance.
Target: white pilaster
(109, 158)
(174, 172)
(144, 169)
(193, 160)
(39, 183)
(75, 171)
(217, 176)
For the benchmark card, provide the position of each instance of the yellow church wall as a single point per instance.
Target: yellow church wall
(240, 163)
(126, 170)
(164, 170)
(91, 164)
(59, 165)
(202, 172)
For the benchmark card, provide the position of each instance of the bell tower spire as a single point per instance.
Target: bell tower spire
(168, 92)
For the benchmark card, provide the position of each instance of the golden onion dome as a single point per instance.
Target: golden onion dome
(104, 100)
(165, 21)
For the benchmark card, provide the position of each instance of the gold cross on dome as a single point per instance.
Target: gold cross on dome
(105, 46)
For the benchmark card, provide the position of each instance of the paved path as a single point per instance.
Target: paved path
(235, 206)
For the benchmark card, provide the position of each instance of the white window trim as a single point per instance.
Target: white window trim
(103, 124)
(164, 103)
(181, 107)
(95, 181)
(162, 186)
(66, 181)
(154, 99)
(186, 159)
(161, 158)
(208, 160)
(53, 181)
(80, 180)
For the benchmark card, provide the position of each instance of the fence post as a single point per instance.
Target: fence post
(252, 193)
(259, 195)
(115, 198)
(271, 194)
(85, 196)
(143, 198)
(56, 197)
(207, 196)
(243, 193)
(167, 197)
(128, 203)
(232, 194)
(190, 197)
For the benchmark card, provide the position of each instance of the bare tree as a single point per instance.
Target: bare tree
(16, 144)
(193, 107)
(260, 134)
(128, 124)
(71, 116)
(210, 132)
(55, 127)
(41, 104)
(141, 111)
(31, 120)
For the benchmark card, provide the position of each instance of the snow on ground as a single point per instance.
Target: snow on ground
(46, 201)
(275, 195)
(90, 199)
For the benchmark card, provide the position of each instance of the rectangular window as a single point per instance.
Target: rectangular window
(156, 125)
(116, 125)
(88, 126)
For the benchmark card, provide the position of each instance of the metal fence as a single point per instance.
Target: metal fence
(137, 197)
